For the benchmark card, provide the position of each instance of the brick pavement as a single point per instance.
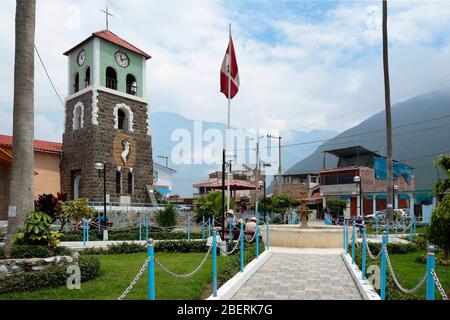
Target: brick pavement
(301, 275)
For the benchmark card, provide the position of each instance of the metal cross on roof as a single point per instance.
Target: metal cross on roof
(107, 16)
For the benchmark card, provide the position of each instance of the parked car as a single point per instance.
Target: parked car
(403, 213)
(379, 215)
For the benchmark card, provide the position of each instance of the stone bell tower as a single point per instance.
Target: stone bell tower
(106, 120)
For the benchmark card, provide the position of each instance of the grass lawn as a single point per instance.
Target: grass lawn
(409, 272)
(117, 272)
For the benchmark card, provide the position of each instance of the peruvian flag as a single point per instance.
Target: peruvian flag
(229, 67)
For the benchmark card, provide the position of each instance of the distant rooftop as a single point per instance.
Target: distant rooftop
(350, 151)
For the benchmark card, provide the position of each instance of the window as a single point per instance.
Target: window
(118, 182)
(111, 78)
(87, 79)
(77, 188)
(78, 113)
(76, 85)
(130, 183)
(131, 85)
(122, 119)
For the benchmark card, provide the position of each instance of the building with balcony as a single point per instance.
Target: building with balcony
(297, 185)
(367, 195)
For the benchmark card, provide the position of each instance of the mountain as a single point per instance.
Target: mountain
(421, 132)
(167, 127)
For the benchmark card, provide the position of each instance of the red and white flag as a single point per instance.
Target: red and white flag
(229, 73)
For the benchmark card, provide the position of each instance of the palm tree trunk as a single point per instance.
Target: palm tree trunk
(387, 97)
(22, 170)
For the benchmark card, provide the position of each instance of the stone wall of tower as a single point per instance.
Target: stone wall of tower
(93, 143)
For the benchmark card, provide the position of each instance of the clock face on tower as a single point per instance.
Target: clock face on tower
(122, 59)
(81, 57)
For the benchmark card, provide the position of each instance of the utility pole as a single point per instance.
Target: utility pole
(269, 136)
(387, 98)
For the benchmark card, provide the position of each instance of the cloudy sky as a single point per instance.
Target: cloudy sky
(303, 65)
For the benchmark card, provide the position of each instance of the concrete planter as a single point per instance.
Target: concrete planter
(13, 266)
(316, 236)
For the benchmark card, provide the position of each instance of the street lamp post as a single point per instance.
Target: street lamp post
(357, 180)
(101, 166)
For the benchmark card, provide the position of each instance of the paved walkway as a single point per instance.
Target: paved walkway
(301, 274)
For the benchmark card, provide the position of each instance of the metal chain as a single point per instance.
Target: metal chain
(135, 280)
(251, 240)
(391, 270)
(371, 255)
(439, 285)
(184, 275)
(235, 247)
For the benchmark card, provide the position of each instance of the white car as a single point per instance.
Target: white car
(403, 213)
(379, 215)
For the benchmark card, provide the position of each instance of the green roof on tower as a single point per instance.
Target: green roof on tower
(113, 38)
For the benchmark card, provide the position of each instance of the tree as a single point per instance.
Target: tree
(22, 170)
(439, 230)
(277, 203)
(387, 100)
(210, 205)
(336, 206)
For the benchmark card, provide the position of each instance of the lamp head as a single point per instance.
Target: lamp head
(99, 166)
(357, 179)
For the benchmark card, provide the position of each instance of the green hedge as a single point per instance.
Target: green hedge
(35, 251)
(160, 246)
(53, 277)
(131, 234)
(397, 248)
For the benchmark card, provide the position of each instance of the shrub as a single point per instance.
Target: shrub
(52, 277)
(124, 248)
(160, 246)
(131, 234)
(36, 231)
(48, 204)
(181, 246)
(29, 251)
(75, 210)
(439, 230)
(166, 217)
(62, 251)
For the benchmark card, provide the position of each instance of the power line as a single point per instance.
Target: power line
(48, 76)
(353, 135)
(395, 135)
(403, 95)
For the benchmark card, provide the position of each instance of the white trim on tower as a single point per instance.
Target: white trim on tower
(96, 62)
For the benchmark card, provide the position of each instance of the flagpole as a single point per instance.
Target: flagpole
(229, 120)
